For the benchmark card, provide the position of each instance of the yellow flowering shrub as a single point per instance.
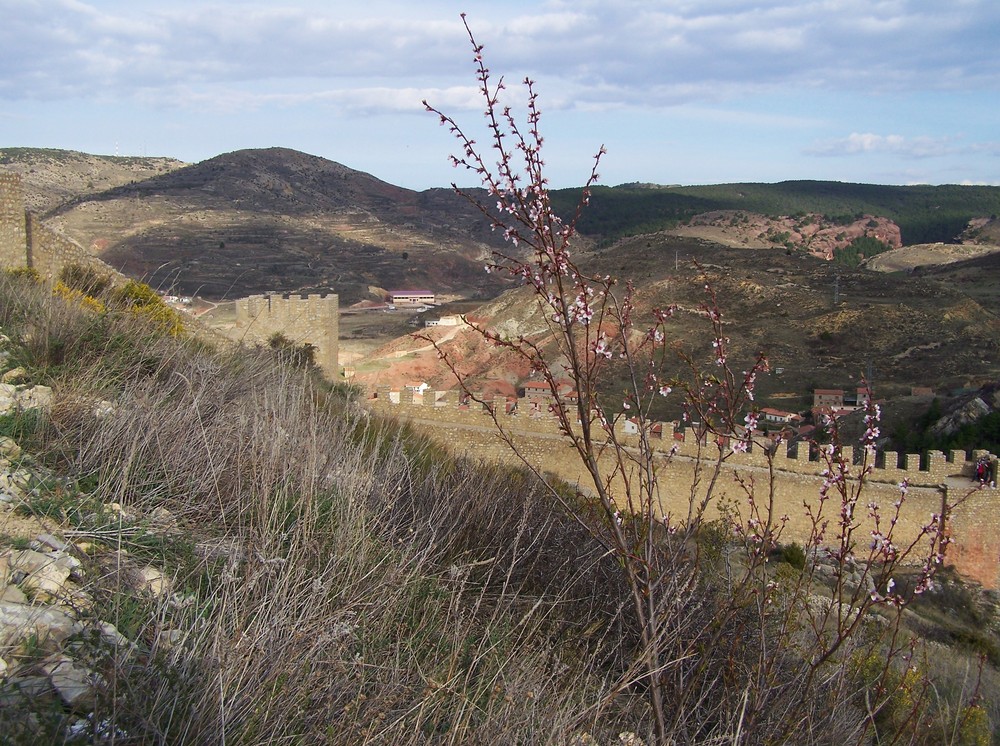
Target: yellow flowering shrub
(145, 303)
(87, 302)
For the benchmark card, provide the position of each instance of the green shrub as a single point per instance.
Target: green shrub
(289, 352)
(792, 554)
(85, 279)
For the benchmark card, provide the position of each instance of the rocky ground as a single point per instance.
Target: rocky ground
(51, 635)
(812, 232)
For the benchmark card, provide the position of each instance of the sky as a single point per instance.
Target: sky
(677, 91)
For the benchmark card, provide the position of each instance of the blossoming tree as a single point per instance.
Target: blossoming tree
(729, 646)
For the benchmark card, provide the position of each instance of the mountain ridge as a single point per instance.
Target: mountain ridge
(274, 219)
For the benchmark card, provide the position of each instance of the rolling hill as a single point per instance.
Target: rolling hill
(51, 177)
(821, 324)
(280, 220)
(276, 219)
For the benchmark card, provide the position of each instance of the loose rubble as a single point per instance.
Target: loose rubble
(51, 637)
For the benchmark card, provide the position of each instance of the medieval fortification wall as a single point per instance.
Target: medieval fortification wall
(975, 524)
(312, 319)
(25, 242)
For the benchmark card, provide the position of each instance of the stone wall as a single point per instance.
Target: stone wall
(26, 242)
(891, 467)
(312, 319)
(48, 252)
(13, 234)
(975, 524)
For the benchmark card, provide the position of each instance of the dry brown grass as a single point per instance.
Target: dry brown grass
(338, 579)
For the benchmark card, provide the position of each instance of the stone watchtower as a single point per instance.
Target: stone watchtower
(13, 223)
(312, 319)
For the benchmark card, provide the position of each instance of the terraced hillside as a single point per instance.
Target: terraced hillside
(278, 219)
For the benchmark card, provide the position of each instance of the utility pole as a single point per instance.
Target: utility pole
(836, 290)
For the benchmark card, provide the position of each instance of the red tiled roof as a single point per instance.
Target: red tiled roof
(779, 412)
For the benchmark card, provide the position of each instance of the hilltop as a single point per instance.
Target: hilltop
(52, 177)
(277, 219)
(924, 214)
(280, 220)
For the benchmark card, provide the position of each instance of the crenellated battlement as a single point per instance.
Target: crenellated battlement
(890, 467)
(468, 429)
(312, 319)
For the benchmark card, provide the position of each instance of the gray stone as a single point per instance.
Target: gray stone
(75, 600)
(152, 580)
(162, 521)
(37, 397)
(47, 625)
(50, 541)
(14, 595)
(111, 635)
(43, 573)
(630, 739)
(32, 686)
(76, 685)
(15, 375)
(103, 409)
(968, 413)
(71, 563)
(9, 448)
(15, 482)
(168, 639)
(119, 512)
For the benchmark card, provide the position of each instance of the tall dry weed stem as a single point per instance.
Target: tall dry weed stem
(729, 647)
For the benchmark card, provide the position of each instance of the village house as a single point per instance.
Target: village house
(772, 416)
(538, 395)
(631, 427)
(832, 398)
(837, 402)
(453, 320)
(411, 297)
(858, 399)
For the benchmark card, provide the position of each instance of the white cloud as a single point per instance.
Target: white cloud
(769, 74)
(628, 47)
(866, 143)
